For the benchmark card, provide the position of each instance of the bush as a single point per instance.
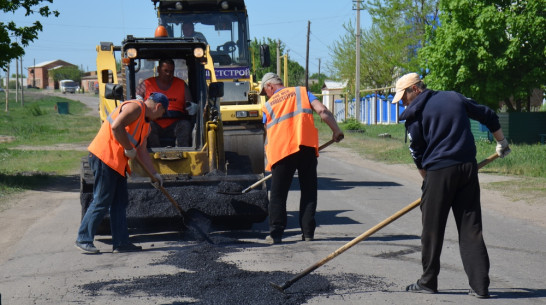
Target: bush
(352, 124)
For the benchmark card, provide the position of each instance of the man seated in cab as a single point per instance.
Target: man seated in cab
(177, 122)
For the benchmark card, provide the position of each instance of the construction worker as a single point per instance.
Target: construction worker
(177, 122)
(188, 31)
(292, 144)
(444, 151)
(122, 136)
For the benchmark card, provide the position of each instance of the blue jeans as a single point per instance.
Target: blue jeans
(109, 194)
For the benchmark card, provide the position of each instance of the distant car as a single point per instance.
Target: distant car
(1, 89)
(68, 85)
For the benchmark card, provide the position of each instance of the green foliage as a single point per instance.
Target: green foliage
(401, 28)
(67, 72)
(296, 73)
(352, 124)
(388, 47)
(12, 37)
(490, 51)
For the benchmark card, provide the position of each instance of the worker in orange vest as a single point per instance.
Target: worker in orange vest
(177, 123)
(122, 136)
(292, 144)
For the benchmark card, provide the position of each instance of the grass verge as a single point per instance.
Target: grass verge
(27, 160)
(386, 143)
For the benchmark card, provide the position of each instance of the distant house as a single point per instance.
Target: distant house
(90, 82)
(332, 90)
(38, 75)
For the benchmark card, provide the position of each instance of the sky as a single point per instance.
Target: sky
(82, 25)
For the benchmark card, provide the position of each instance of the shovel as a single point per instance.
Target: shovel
(363, 236)
(191, 226)
(257, 183)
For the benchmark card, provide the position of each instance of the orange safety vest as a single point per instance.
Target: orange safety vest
(289, 124)
(108, 149)
(176, 95)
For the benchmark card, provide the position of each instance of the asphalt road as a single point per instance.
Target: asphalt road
(39, 264)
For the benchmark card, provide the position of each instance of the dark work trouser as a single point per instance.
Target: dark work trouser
(456, 187)
(305, 161)
(180, 130)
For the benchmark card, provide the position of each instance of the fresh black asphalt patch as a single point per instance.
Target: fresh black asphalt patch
(212, 281)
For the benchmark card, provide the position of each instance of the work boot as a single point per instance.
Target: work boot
(307, 238)
(127, 248)
(417, 288)
(271, 240)
(473, 293)
(87, 248)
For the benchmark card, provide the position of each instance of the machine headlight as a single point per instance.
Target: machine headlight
(198, 52)
(241, 114)
(131, 53)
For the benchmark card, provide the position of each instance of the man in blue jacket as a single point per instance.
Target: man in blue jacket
(443, 149)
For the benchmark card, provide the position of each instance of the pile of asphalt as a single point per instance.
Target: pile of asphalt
(212, 281)
(205, 198)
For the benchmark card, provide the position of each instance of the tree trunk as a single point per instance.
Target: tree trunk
(509, 105)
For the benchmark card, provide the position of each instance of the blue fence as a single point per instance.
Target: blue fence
(373, 110)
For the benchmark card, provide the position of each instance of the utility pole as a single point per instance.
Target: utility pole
(7, 88)
(16, 80)
(34, 74)
(307, 56)
(22, 84)
(278, 57)
(357, 75)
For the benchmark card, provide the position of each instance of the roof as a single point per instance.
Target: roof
(45, 63)
(332, 85)
(57, 62)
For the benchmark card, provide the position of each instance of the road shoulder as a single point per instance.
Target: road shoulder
(531, 212)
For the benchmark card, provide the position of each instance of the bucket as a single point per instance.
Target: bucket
(62, 107)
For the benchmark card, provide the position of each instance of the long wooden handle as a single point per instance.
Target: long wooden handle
(257, 183)
(160, 187)
(365, 235)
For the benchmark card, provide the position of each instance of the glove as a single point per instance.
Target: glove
(502, 148)
(131, 153)
(159, 182)
(191, 108)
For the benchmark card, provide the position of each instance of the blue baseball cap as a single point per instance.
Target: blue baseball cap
(160, 98)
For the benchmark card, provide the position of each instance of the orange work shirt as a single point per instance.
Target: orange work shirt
(289, 124)
(108, 149)
(176, 95)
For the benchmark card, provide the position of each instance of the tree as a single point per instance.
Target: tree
(12, 37)
(389, 47)
(402, 24)
(380, 58)
(68, 72)
(317, 86)
(488, 50)
(296, 72)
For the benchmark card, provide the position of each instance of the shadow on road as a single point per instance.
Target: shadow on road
(333, 184)
(504, 293)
